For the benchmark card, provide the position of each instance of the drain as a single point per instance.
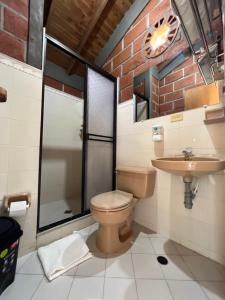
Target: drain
(162, 260)
(68, 211)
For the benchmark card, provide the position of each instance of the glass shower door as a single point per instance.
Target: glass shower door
(99, 135)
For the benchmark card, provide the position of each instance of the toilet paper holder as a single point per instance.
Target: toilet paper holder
(17, 198)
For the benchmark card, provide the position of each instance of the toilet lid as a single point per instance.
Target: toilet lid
(111, 200)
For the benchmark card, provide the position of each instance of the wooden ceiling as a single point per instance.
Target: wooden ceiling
(83, 25)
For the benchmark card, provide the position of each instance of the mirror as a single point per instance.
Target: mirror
(172, 86)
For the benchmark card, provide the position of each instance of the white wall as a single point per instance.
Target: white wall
(202, 227)
(19, 139)
(62, 147)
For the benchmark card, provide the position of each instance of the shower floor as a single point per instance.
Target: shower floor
(55, 211)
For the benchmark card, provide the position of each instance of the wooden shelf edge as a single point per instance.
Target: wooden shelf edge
(218, 120)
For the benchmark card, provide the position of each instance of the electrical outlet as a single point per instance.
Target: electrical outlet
(176, 117)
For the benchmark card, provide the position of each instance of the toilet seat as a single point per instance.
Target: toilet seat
(112, 201)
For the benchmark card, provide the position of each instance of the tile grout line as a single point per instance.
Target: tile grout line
(103, 292)
(194, 278)
(135, 280)
(204, 293)
(17, 271)
(165, 280)
(37, 287)
(71, 287)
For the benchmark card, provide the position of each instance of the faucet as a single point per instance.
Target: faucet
(187, 153)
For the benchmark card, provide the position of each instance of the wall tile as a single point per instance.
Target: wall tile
(23, 159)
(200, 228)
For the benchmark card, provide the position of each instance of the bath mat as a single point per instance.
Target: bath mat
(62, 255)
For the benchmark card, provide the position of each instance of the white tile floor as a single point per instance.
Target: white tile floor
(133, 275)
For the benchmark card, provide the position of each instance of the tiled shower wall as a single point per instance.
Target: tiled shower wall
(202, 227)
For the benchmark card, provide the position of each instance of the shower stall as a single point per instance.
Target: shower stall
(78, 135)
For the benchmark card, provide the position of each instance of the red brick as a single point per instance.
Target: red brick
(166, 89)
(145, 11)
(174, 49)
(126, 80)
(72, 91)
(140, 88)
(135, 32)
(124, 55)
(173, 76)
(15, 24)
(162, 82)
(182, 83)
(161, 99)
(155, 80)
(107, 67)
(147, 64)
(165, 107)
(155, 98)
(155, 114)
(133, 62)
(179, 104)
(138, 43)
(11, 46)
(191, 70)
(127, 94)
(173, 96)
(199, 79)
(53, 83)
(116, 50)
(140, 69)
(117, 72)
(187, 62)
(21, 6)
(159, 10)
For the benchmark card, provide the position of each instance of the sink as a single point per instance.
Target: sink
(195, 167)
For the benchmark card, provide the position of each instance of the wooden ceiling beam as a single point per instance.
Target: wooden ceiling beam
(90, 29)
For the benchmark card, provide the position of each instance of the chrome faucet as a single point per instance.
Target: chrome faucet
(187, 153)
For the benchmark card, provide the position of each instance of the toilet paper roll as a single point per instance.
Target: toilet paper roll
(18, 209)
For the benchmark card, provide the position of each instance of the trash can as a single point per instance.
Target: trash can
(10, 233)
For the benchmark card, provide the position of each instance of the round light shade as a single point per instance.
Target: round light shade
(161, 35)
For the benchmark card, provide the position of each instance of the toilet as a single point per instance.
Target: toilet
(114, 210)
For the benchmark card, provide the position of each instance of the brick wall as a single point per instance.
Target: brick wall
(14, 28)
(172, 86)
(127, 60)
(62, 87)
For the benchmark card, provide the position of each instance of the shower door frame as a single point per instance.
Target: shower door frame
(84, 212)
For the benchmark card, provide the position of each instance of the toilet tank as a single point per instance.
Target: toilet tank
(139, 181)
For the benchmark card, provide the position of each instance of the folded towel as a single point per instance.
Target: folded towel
(62, 255)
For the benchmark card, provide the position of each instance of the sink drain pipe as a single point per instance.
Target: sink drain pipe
(189, 195)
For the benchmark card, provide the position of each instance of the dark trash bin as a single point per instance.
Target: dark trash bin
(10, 233)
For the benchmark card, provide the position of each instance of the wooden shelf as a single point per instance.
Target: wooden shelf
(215, 116)
(218, 120)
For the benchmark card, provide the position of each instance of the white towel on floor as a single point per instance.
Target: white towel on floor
(62, 255)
